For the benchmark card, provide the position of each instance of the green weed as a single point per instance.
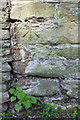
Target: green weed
(22, 99)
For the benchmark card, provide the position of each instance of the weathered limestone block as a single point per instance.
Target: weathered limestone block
(19, 67)
(52, 1)
(5, 44)
(44, 87)
(0, 77)
(4, 34)
(5, 76)
(0, 87)
(3, 4)
(72, 87)
(44, 33)
(5, 51)
(0, 64)
(4, 17)
(4, 107)
(44, 69)
(3, 88)
(73, 1)
(4, 14)
(70, 53)
(0, 97)
(41, 10)
(0, 108)
(3, 94)
(33, 9)
(6, 58)
(4, 25)
(5, 97)
(6, 67)
(19, 51)
(21, 82)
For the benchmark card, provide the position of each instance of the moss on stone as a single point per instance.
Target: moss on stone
(69, 53)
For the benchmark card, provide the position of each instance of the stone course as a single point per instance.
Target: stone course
(5, 68)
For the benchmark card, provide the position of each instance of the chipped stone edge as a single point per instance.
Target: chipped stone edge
(42, 1)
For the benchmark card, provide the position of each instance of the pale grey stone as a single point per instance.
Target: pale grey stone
(0, 108)
(4, 107)
(3, 87)
(72, 87)
(43, 88)
(5, 76)
(6, 67)
(5, 44)
(25, 1)
(5, 51)
(4, 34)
(41, 10)
(6, 58)
(57, 69)
(5, 97)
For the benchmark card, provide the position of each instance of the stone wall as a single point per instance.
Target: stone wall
(43, 40)
(5, 55)
(45, 50)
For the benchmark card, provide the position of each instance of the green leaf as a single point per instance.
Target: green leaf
(18, 107)
(12, 91)
(27, 104)
(16, 93)
(19, 89)
(13, 98)
(33, 100)
(27, 97)
(21, 96)
(29, 112)
(73, 115)
(75, 112)
(3, 114)
(20, 102)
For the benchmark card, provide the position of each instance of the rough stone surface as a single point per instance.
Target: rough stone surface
(4, 34)
(52, 1)
(6, 58)
(43, 38)
(3, 88)
(5, 44)
(45, 63)
(44, 33)
(38, 10)
(5, 51)
(5, 76)
(5, 97)
(6, 67)
(45, 45)
(0, 108)
(55, 69)
(44, 87)
(72, 87)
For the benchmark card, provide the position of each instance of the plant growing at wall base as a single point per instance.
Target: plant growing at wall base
(73, 115)
(23, 100)
(47, 111)
(5, 116)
